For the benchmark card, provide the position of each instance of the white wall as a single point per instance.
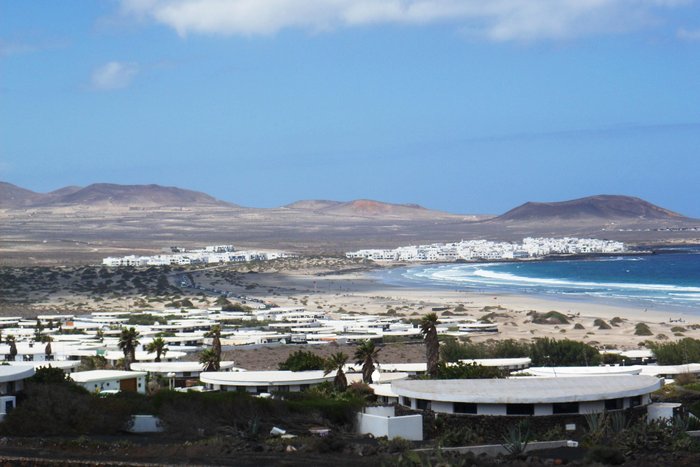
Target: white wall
(145, 424)
(409, 427)
(591, 407)
(442, 407)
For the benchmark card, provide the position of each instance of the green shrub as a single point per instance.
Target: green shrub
(601, 324)
(303, 361)
(686, 350)
(551, 317)
(461, 370)
(606, 455)
(642, 329)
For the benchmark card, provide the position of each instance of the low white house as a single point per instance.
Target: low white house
(178, 372)
(527, 396)
(111, 380)
(11, 381)
(258, 382)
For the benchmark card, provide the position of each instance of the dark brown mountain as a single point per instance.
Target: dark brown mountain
(601, 207)
(107, 194)
(137, 195)
(12, 196)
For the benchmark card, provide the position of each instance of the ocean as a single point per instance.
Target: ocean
(668, 279)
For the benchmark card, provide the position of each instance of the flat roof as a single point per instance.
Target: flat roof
(264, 378)
(656, 370)
(176, 367)
(104, 375)
(498, 361)
(554, 372)
(15, 372)
(383, 377)
(527, 390)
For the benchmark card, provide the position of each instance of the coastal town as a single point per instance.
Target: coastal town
(485, 250)
(213, 254)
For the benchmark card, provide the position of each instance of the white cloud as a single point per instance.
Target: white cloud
(114, 75)
(497, 20)
(688, 34)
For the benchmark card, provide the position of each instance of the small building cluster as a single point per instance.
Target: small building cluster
(485, 250)
(215, 254)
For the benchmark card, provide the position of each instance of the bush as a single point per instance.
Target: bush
(642, 329)
(606, 455)
(463, 370)
(551, 317)
(552, 352)
(601, 324)
(684, 351)
(303, 361)
(65, 409)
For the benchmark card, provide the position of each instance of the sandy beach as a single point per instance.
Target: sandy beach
(361, 292)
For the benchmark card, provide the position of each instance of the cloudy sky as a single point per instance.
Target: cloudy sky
(469, 106)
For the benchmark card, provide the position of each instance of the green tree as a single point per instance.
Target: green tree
(551, 352)
(128, 341)
(428, 327)
(303, 361)
(686, 350)
(215, 334)
(366, 355)
(463, 370)
(48, 351)
(208, 358)
(336, 362)
(157, 346)
(12, 342)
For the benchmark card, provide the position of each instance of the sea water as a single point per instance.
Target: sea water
(669, 278)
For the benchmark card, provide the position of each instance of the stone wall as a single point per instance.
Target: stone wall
(491, 429)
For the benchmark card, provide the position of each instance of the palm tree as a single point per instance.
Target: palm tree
(432, 346)
(48, 351)
(366, 355)
(157, 346)
(128, 341)
(215, 334)
(336, 362)
(208, 358)
(10, 340)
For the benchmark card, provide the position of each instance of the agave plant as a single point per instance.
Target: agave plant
(515, 441)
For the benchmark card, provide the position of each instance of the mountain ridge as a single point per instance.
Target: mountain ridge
(591, 208)
(106, 194)
(598, 207)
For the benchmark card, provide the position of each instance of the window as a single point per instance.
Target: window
(304, 387)
(260, 389)
(422, 404)
(635, 401)
(520, 409)
(464, 407)
(613, 404)
(405, 401)
(565, 407)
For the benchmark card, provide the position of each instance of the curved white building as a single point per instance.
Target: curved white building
(527, 396)
(570, 371)
(258, 382)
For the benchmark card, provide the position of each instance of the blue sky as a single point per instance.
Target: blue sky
(465, 106)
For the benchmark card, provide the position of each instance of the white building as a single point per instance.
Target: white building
(527, 396)
(111, 380)
(258, 382)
